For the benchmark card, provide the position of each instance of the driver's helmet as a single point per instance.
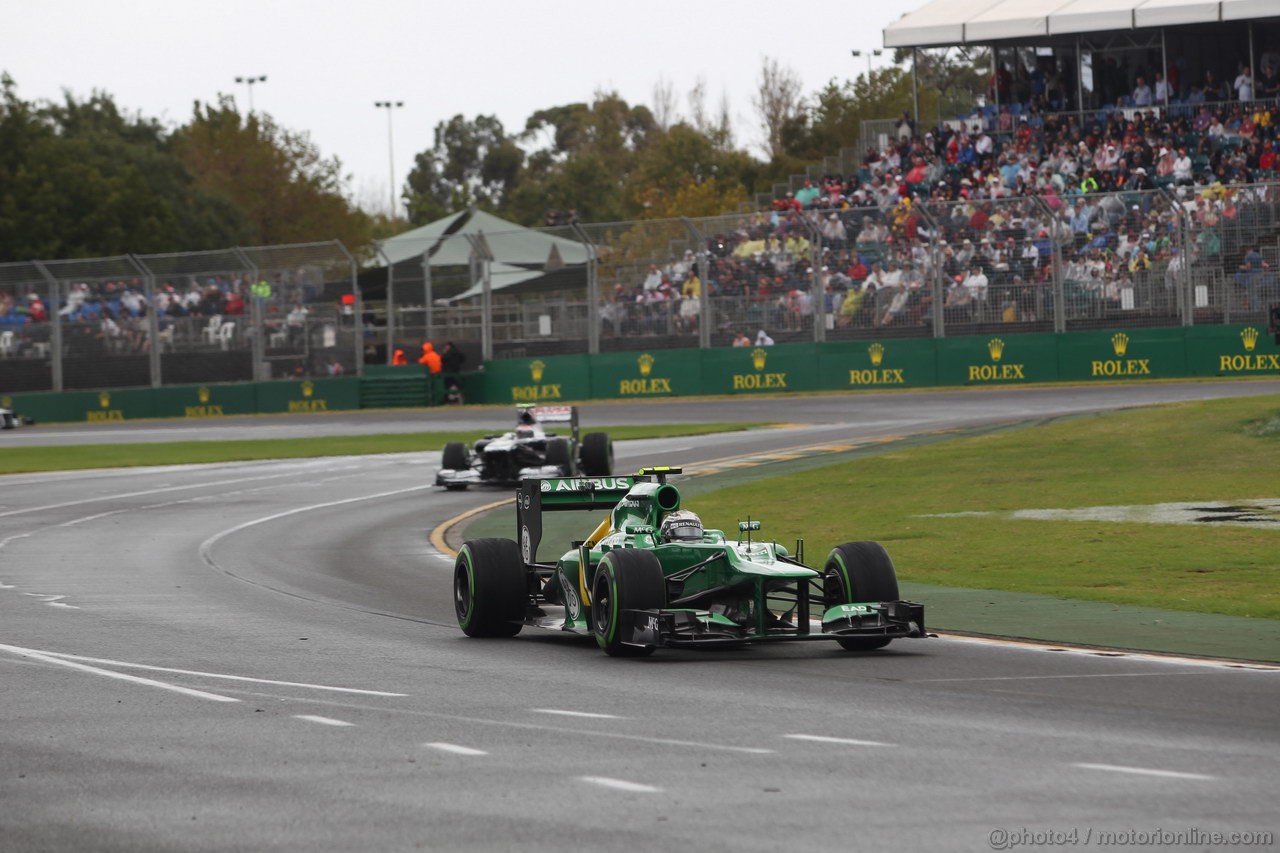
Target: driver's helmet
(524, 432)
(526, 417)
(681, 526)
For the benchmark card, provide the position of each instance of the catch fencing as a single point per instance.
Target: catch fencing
(900, 267)
(242, 314)
(903, 267)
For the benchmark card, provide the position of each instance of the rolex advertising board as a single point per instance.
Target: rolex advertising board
(205, 401)
(1129, 354)
(760, 369)
(307, 396)
(997, 359)
(636, 376)
(531, 381)
(878, 364)
(1235, 351)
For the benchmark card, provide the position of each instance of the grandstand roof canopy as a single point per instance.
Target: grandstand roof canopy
(956, 22)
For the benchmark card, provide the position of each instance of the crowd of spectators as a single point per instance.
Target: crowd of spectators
(1120, 203)
(111, 316)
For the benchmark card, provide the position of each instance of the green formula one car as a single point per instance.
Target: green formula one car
(649, 575)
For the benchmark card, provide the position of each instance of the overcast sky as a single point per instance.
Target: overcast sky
(327, 62)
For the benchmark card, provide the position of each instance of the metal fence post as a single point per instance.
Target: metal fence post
(153, 321)
(481, 257)
(817, 295)
(593, 290)
(357, 327)
(935, 262)
(706, 313)
(257, 320)
(1059, 282)
(55, 330)
(391, 301)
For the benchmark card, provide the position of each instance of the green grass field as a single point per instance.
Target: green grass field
(1221, 450)
(72, 457)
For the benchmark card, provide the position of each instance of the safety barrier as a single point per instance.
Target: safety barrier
(1136, 355)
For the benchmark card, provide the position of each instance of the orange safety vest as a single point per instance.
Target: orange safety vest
(398, 357)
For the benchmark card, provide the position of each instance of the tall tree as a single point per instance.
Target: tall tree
(471, 163)
(81, 179)
(778, 102)
(289, 192)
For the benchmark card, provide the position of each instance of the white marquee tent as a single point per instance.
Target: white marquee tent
(957, 22)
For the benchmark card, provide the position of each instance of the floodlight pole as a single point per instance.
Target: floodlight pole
(389, 106)
(249, 81)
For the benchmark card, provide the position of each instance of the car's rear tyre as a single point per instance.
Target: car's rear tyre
(855, 573)
(560, 454)
(490, 589)
(626, 579)
(597, 454)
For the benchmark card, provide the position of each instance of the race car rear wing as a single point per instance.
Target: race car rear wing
(535, 497)
(550, 415)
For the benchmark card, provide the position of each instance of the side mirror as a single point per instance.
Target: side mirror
(744, 526)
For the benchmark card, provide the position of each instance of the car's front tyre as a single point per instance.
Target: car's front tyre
(490, 589)
(856, 573)
(626, 579)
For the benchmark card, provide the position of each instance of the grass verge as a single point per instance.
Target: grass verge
(73, 457)
(1217, 450)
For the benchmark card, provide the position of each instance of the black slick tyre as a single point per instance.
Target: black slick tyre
(855, 573)
(490, 589)
(560, 454)
(456, 457)
(627, 579)
(597, 454)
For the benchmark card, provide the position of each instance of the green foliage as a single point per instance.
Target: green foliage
(79, 179)
(288, 191)
(472, 163)
(82, 179)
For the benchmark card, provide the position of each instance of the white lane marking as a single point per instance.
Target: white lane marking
(455, 749)
(324, 721)
(586, 714)
(1054, 677)
(1144, 771)
(206, 547)
(224, 676)
(132, 679)
(620, 784)
(143, 492)
(841, 740)
(52, 600)
(1154, 657)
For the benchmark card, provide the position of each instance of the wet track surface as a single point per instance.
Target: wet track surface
(264, 656)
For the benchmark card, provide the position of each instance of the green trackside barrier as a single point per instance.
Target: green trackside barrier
(1231, 351)
(997, 359)
(84, 406)
(548, 379)
(204, 401)
(753, 369)
(637, 375)
(1123, 354)
(297, 396)
(892, 363)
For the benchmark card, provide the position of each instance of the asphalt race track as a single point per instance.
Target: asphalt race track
(263, 656)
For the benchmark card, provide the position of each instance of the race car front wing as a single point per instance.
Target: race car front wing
(674, 628)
